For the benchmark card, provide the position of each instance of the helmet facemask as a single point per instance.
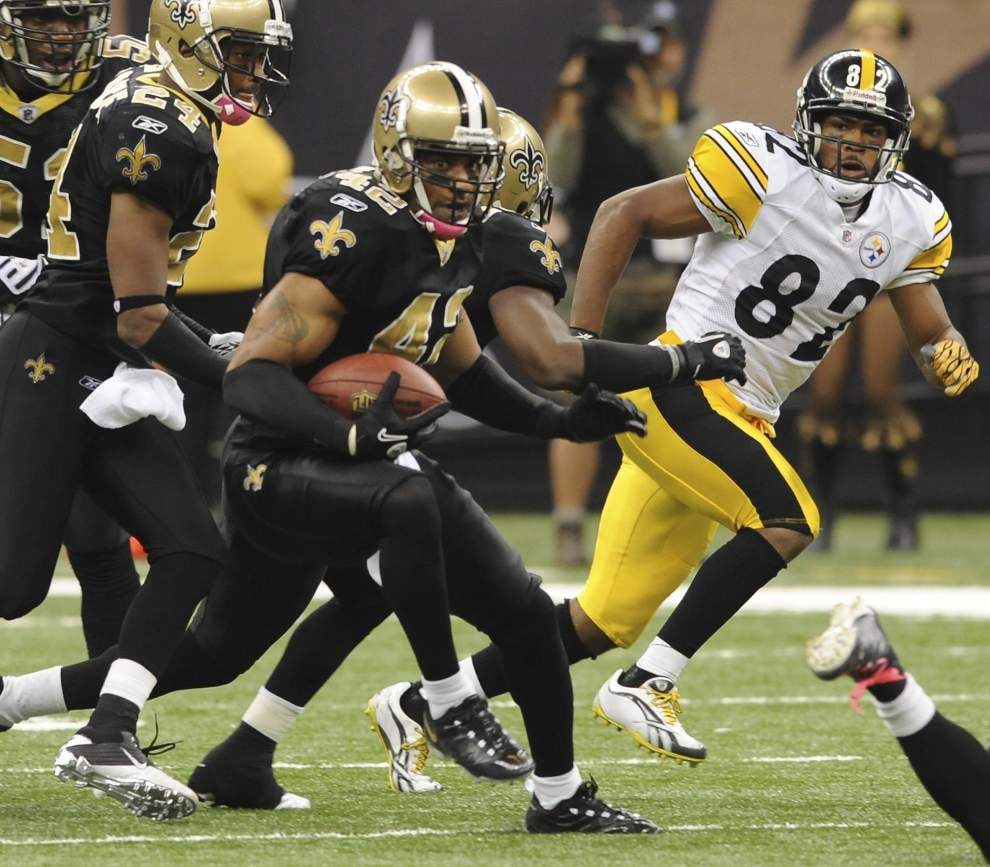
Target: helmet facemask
(263, 58)
(472, 195)
(55, 59)
(888, 155)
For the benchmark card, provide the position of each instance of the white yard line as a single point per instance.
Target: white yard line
(909, 600)
(424, 832)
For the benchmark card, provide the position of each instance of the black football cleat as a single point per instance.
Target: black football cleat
(585, 813)
(235, 778)
(472, 736)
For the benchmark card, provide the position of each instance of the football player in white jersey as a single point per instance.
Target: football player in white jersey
(797, 235)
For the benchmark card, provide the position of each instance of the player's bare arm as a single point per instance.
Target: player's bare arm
(663, 209)
(946, 359)
(293, 324)
(537, 337)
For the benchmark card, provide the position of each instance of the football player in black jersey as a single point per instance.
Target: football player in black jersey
(55, 59)
(128, 208)
(514, 295)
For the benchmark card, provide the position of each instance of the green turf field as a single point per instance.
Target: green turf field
(794, 776)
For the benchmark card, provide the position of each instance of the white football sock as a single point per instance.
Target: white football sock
(442, 695)
(271, 715)
(661, 659)
(550, 791)
(28, 695)
(467, 669)
(129, 680)
(909, 713)
(568, 515)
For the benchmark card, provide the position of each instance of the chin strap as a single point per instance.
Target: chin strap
(438, 228)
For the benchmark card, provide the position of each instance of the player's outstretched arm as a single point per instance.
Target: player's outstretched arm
(554, 357)
(137, 254)
(938, 348)
(478, 387)
(663, 209)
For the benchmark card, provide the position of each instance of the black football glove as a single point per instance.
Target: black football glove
(715, 355)
(598, 414)
(382, 433)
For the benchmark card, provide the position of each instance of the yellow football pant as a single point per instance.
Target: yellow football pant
(703, 462)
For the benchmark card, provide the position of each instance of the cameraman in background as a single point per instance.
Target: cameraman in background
(615, 121)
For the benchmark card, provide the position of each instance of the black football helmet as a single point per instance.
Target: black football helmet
(862, 83)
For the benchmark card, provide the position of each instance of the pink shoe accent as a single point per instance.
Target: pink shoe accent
(883, 673)
(438, 228)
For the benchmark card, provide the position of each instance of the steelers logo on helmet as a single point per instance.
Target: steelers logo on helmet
(526, 187)
(56, 45)
(230, 56)
(436, 143)
(858, 84)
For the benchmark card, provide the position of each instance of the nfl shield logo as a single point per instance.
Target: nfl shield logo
(27, 113)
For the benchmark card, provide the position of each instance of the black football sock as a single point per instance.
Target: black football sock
(825, 461)
(723, 584)
(109, 583)
(412, 702)
(318, 647)
(955, 769)
(112, 716)
(157, 618)
(82, 681)
(247, 739)
(488, 662)
(412, 574)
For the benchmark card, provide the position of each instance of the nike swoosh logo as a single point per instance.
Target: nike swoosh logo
(385, 437)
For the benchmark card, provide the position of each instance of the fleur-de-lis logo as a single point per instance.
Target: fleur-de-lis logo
(329, 235)
(391, 106)
(184, 12)
(255, 477)
(39, 369)
(530, 163)
(549, 258)
(137, 160)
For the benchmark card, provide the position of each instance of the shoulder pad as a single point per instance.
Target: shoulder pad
(924, 222)
(728, 175)
(126, 49)
(361, 189)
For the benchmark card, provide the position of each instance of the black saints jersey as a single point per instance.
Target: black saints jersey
(402, 289)
(515, 252)
(138, 137)
(33, 139)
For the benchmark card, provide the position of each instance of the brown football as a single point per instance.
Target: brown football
(350, 385)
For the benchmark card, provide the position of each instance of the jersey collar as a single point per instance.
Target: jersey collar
(11, 103)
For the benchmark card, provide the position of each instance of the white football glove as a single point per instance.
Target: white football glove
(18, 275)
(225, 344)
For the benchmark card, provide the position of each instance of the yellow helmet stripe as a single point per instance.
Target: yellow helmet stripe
(868, 74)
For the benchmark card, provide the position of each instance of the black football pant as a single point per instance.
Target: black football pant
(136, 474)
(260, 595)
(100, 553)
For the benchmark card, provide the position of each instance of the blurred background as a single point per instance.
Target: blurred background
(620, 91)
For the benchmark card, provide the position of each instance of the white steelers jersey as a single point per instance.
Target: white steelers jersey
(784, 269)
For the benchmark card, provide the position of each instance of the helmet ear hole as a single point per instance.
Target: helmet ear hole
(186, 50)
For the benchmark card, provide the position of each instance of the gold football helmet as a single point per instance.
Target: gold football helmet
(192, 40)
(55, 43)
(438, 108)
(526, 187)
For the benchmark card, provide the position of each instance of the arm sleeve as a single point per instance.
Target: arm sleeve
(487, 393)
(268, 392)
(726, 180)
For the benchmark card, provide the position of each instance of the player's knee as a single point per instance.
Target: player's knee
(582, 637)
(108, 572)
(20, 598)
(410, 509)
(787, 543)
(531, 621)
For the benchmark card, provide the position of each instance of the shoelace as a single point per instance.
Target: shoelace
(491, 729)
(668, 703)
(883, 673)
(155, 748)
(422, 749)
(588, 792)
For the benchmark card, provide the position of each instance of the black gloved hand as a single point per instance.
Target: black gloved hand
(715, 355)
(598, 414)
(382, 433)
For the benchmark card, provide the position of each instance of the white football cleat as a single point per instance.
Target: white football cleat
(404, 741)
(123, 772)
(650, 713)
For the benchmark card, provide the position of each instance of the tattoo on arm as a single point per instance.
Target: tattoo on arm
(281, 322)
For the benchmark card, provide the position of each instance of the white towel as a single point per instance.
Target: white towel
(132, 394)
